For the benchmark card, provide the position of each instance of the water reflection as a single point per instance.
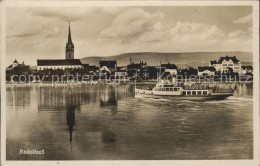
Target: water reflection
(107, 122)
(17, 93)
(245, 90)
(70, 99)
(108, 96)
(71, 119)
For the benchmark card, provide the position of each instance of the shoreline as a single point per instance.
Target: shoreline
(113, 83)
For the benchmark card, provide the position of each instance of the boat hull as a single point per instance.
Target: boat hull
(209, 97)
(212, 96)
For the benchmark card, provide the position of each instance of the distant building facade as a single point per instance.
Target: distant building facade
(90, 68)
(59, 64)
(68, 63)
(170, 68)
(134, 68)
(189, 71)
(121, 72)
(205, 70)
(13, 65)
(153, 72)
(246, 70)
(107, 66)
(224, 64)
(17, 68)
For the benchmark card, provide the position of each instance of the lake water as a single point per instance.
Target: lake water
(103, 122)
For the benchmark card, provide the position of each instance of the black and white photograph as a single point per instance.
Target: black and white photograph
(130, 82)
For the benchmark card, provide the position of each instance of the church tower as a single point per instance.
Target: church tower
(69, 47)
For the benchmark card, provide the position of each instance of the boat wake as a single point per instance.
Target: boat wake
(152, 98)
(232, 99)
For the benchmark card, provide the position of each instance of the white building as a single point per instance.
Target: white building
(55, 64)
(205, 70)
(224, 64)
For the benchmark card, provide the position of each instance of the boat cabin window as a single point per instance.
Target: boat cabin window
(188, 92)
(204, 92)
(193, 92)
(199, 92)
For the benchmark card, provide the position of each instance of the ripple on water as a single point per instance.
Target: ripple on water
(109, 125)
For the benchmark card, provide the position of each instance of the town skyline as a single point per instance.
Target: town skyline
(151, 30)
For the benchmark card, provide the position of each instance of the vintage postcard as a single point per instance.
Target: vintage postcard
(130, 83)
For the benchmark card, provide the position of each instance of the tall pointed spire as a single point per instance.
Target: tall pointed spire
(69, 46)
(69, 37)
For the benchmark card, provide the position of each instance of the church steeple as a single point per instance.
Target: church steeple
(69, 37)
(69, 47)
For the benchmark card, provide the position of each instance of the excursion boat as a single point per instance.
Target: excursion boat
(169, 90)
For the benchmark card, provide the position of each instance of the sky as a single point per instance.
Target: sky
(42, 32)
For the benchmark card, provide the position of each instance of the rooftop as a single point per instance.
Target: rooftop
(107, 63)
(58, 62)
(15, 61)
(247, 67)
(169, 66)
(203, 68)
(227, 58)
(213, 62)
